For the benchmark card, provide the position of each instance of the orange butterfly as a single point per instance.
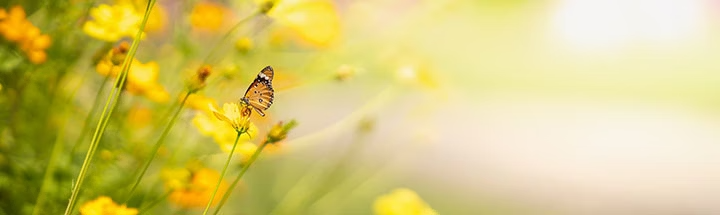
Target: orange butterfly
(260, 94)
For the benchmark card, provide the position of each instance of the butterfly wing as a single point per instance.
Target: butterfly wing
(267, 73)
(260, 94)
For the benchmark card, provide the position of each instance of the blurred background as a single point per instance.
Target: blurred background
(479, 107)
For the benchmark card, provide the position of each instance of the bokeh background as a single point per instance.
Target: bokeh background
(480, 107)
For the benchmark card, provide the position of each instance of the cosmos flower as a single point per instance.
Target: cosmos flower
(14, 27)
(103, 205)
(207, 16)
(113, 22)
(193, 188)
(315, 21)
(402, 201)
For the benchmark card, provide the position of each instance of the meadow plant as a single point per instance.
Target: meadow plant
(110, 107)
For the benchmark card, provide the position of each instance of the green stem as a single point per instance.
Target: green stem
(157, 145)
(240, 175)
(107, 112)
(227, 163)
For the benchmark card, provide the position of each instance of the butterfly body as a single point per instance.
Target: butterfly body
(260, 94)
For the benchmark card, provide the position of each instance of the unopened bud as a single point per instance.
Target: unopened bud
(198, 81)
(279, 131)
(119, 53)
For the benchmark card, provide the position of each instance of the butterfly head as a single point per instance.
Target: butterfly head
(245, 101)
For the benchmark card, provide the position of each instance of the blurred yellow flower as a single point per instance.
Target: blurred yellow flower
(139, 117)
(157, 19)
(316, 21)
(176, 178)
(14, 27)
(103, 205)
(402, 201)
(194, 191)
(207, 16)
(244, 44)
(142, 80)
(279, 131)
(107, 68)
(107, 155)
(113, 22)
(198, 80)
(200, 102)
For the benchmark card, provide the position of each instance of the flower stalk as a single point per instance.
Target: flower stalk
(276, 134)
(244, 169)
(237, 116)
(110, 106)
(227, 163)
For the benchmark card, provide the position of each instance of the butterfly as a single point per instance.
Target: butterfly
(260, 93)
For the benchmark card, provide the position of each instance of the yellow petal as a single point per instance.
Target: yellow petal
(204, 124)
(402, 201)
(95, 30)
(316, 21)
(158, 94)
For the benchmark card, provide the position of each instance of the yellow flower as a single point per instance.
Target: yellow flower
(113, 22)
(103, 205)
(107, 68)
(223, 134)
(207, 16)
(157, 19)
(139, 117)
(14, 25)
(177, 178)
(244, 44)
(402, 201)
(194, 191)
(238, 116)
(200, 102)
(279, 131)
(16, 28)
(197, 82)
(34, 45)
(110, 64)
(316, 22)
(142, 80)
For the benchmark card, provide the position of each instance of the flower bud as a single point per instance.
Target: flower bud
(197, 82)
(118, 54)
(279, 131)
